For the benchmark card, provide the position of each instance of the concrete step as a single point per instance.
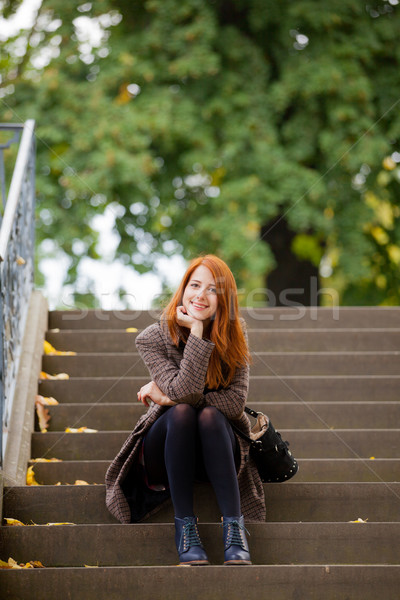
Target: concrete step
(326, 443)
(264, 363)
(270, 543)
(311, 415)
(279, 317)
(276, 340)
(311, 582)
(291, 501)
(311, 470)
(311, 388)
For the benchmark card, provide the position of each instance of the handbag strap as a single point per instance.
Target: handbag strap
(254, 414)
(251, 412)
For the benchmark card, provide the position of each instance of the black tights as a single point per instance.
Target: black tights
(176, 437)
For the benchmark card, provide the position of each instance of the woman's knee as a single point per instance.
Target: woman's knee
(210, 418)
(182, 414)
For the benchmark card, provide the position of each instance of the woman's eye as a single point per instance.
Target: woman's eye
(213, 290)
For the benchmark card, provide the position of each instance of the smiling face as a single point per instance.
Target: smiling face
(200, 296)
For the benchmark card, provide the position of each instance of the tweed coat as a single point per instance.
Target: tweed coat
(180, 373)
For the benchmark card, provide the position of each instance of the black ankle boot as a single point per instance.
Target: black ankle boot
(235, 542)
(188, 543)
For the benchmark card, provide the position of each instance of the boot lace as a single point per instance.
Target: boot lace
(190, 535)
(234, 534)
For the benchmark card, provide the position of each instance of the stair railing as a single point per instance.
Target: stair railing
(17, 235)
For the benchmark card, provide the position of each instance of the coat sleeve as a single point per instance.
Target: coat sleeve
(182, 383)
(232, 399)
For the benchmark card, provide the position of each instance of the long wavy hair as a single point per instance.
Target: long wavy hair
(231, 350)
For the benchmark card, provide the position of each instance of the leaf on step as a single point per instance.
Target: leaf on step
(372, 458)
(45, 460)
(51, 351)
(91, 566)
(46, 400)
(48, 348)
(56, 524)
(81, 482)
(12, 564)
(30, 477)
(44, 375)
(358, 521)
(80, 430)
(131, 330)
(36, 564)
(43, 414)
(13, 522)
(16, 523)
(4, 565)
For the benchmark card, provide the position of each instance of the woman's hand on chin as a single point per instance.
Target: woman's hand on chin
(185, 320)
(152, 392)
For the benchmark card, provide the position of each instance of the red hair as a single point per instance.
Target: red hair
(231, 350)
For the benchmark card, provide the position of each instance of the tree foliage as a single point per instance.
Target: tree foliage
(201, 123)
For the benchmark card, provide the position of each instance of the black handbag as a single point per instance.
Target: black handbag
(275, 462)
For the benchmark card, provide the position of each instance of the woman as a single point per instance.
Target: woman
(198, 360)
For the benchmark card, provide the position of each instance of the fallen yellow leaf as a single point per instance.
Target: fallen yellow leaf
(30, 477)
(91, 566)
(80, 430)
(43, 414)
(46, 400)
(358, 521)
(12, 564)
(4, 565)
(50, 350)
(131, 330)
(45, 460)
(44, 375)
(81, 482)
(47, 347)
(13, 522)
(372, 458)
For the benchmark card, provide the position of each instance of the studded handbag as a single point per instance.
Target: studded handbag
(275, 462)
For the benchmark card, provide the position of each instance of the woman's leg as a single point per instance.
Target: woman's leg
(169, 455)
(219, 446)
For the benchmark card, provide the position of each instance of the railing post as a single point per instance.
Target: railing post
(16, 266)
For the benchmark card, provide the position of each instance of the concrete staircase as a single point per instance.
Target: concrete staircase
(330, 381)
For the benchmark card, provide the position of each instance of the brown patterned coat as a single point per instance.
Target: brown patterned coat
(180, 373)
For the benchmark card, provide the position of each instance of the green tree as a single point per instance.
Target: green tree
(239, 127)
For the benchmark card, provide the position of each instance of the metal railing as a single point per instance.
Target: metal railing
(17, 235)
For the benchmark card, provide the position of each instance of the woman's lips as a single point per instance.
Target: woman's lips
(198, 306)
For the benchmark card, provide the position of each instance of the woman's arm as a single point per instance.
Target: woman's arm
(231, 400)
(152, 392)
(184, 383)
